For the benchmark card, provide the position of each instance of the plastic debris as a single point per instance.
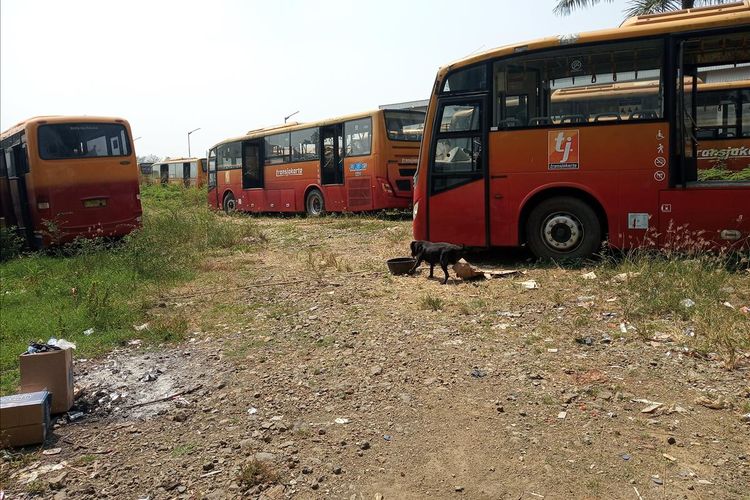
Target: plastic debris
(589, 276)
(342, 421)
(529, 284)
(687, 303)
(562, 415)
(88, 331)
(477, 373)
(52, 451)
(252, 410)
(74, 415)
(140, 328)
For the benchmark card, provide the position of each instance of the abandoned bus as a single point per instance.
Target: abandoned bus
(355, 163)
(505, 163)
(63, 178)
(181, 171)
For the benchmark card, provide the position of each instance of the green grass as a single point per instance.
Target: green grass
(110, 288)
(720, 173)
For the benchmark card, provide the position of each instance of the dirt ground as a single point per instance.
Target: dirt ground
(313, 373)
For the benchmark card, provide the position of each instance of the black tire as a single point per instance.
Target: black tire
(315, 205)
(563, 228)
(229, 204)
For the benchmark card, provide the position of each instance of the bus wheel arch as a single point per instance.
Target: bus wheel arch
(228, 202)
(314, 202)
(568, 211)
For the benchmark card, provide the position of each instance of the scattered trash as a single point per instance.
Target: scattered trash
(387, 437)
(61, 343)
(501, 326)
(606, 339)
(135, 342)
(74, 415)
(623, 328)
(477, 373)
(342, 420)
(589, 276)
(35, 347)
(704, 481)
(88, 331)
(715, 404)
(252, 410)
(552, 350)
(727, 304)
(151, 375)
(687, 303)
(140, 328)
(626, 457)
(24, 418)
(466, 271)
(52, 451)
(745, 418)
(652, 407)
(745, 310)
(529, 284)
(562, 415)
(657, 480)
(589, 341)
(669, 457)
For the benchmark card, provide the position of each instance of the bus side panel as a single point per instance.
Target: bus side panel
(695, 217)
(615, 163)
(288, 182)
(359, 180)
(230, 180)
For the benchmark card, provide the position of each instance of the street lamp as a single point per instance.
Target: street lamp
(189, 140)
(136, 138)
(287, 117)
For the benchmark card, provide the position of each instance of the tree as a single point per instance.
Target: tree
(148, 159)
(635, 7)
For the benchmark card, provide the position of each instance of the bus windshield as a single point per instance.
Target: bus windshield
(404, 125)
(82, 140)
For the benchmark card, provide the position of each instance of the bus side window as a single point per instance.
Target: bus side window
(457, 158)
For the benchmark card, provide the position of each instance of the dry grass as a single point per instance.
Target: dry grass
(256, 472)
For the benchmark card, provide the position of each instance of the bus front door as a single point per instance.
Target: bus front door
(252, 164)
(164, 173)
(17, 165)
(186, 173)
(457, 187)
(332, 159)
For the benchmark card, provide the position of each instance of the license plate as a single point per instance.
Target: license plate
(101, 202)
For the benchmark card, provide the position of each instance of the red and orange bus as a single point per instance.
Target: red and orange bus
(65, 177)
(504, 164)
(182, 171)
(354, 163)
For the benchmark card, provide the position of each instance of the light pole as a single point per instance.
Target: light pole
(189, 139)
(287, 117)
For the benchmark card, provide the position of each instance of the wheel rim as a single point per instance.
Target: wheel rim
(230, 204)
(315, 204)
(562, 232)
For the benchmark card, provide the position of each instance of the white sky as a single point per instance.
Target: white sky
(230, 66)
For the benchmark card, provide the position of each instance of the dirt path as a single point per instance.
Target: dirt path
(321, 376)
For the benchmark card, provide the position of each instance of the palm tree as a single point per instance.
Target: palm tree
(635, 7)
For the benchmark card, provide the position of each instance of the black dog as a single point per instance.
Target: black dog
(436, 253)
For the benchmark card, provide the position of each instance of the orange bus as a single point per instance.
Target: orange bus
(353, 163)
(183, 171)
(724, 137)
(64, 177)
(504, 164)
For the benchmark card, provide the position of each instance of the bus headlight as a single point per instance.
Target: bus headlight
(415, 210)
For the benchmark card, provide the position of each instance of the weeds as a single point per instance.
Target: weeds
(431, 303)
(256, 472)
(109, 286)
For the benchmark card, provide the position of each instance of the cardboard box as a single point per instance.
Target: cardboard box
(24, 418)
(49, 371)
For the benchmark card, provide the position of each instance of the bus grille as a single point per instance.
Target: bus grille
(407, 172)
(360, 194)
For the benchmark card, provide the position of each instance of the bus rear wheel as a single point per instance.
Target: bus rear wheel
(563, 228)
(230, 203)
(314, 204)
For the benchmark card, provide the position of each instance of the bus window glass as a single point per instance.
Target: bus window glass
(212, 169)
(716, 114)
(305, 144)
(459, 118)
(3, 167)
(404, 125)
(467, 80)
(358, 136)
(746, 113)
(611, 82)
(229, 155)
(457, 159)
(277, 148)
(80, 140)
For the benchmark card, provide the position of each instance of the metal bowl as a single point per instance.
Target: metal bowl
(400, 265)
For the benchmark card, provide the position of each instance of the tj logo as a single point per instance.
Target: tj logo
(562, 150)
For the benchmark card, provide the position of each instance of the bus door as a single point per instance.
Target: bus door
(164, 173)
(704, 207)
(332, 159)
(213, 196)
(17, 165)
(457, 203)
(186, 173)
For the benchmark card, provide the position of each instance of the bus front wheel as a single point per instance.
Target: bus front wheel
(229, 204)
(563, 228)
(314, 203)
